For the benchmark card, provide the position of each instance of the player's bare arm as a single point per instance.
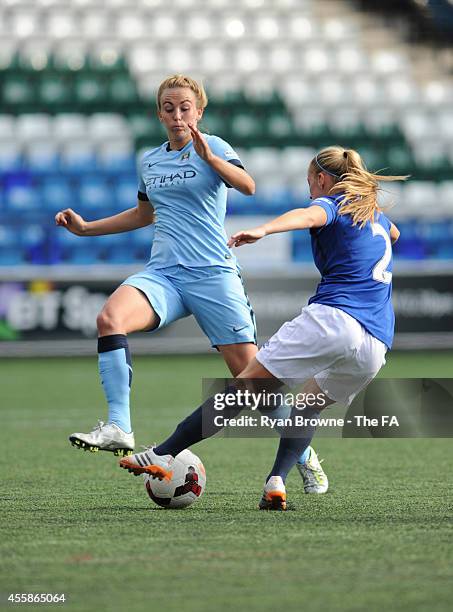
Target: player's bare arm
(394, 233)
(299, 218)
(234, 176)
(131, 219)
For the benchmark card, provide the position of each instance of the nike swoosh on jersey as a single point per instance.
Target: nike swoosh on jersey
(238, 329)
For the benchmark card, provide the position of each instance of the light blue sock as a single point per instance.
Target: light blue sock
(116, 376)
(303, 458)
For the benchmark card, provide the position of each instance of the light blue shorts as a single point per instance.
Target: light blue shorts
(214, 295)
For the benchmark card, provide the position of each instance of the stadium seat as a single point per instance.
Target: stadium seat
(141, 243)
(147, 130)
(54, 93)
(10, 156)
(7, 128)
(70, 126)
(301, 247)
(94, 23)
(90, 93)
(33, 239)
(246, 129)
(122, 92)
(18, 94)
(12, 256)
(23, 22)
(78, 156)
(94, 192)
(57, 192)
(418, 195)
(116, 156)
(143, 57)
(345, 123)
(60, 23)
(280, 129)
(400, 92)
(105, 126)
(240, 204)
(76, 249)
(398, 159)
(33, 126)
(301, 29)
(294, 161)
(262, 161)
(312, 128)
(42, 156)
(379, 121)
(20, 193)
(125, 191)
(107, 56)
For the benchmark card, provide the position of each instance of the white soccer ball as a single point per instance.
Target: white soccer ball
(185, 487)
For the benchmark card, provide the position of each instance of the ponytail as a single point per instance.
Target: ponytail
(360, 187)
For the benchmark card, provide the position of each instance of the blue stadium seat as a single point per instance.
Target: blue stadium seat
(141, 242)
(239, 204)
(78, 157)
(42, 157)
(20, 193)
(301, 247)
(11, 253)
(10, 156)
(125, 191)
(116, 157)
(274, 201)
(69, 248)
(122, 255)
(57, 192)
(12, 256)
(84, 256)
(95, 192)
(34, 241)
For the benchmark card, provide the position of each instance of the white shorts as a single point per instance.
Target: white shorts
(326, 344)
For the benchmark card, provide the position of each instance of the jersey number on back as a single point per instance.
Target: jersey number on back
(380, 274)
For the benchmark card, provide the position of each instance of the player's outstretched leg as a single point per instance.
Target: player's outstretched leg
(115, 370)
(194, 428)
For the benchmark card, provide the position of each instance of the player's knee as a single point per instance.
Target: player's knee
(107, 322)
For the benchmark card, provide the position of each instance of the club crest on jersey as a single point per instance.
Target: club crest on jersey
(185, 156)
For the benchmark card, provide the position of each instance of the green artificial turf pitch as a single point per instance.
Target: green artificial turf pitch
(74, 523)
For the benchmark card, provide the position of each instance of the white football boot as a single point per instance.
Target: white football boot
(105, 437)
(147, 462)
(314, 477)
(274, 495)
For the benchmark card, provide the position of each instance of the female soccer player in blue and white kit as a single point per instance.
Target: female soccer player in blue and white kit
(337, 345)
(183, 191)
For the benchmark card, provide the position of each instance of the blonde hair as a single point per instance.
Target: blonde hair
(360, 187)
(180, 80)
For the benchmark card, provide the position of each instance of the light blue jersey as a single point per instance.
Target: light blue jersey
(189, 199)
(356, 268)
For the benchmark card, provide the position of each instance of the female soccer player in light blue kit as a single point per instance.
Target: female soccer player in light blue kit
(337, 345)
(183, 191)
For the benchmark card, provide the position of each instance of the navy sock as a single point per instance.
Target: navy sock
(291, 449)
(115, 369)
(196, 427)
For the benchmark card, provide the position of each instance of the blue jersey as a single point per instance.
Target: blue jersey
(189, 199)
(356, 268)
